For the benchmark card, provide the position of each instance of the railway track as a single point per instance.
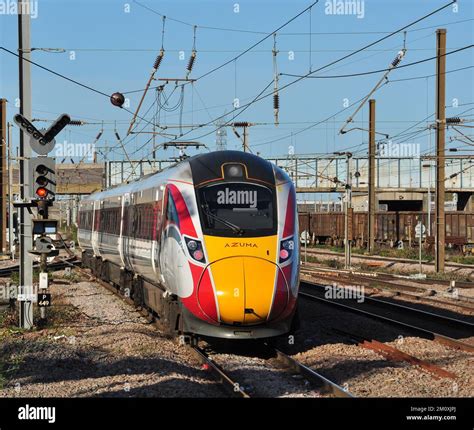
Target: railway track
(394, 286)
(291, 367)
(324, 385)
(229, 383)
(59, 265)
(393, 354)
(311, 375)
(442, 329)
(394, 277)
(388, 259)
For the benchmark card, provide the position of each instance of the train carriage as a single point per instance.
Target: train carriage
(210, 245)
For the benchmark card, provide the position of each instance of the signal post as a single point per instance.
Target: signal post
(39, 195)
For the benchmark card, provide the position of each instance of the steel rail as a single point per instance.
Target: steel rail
(230, 385)
(445, 340)
(399, 290)
(311, 375)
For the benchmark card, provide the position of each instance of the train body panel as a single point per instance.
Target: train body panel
(216, 233)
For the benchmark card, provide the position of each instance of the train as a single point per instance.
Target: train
(391, 228)
(208, 246)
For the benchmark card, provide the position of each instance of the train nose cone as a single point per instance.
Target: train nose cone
(245, 288)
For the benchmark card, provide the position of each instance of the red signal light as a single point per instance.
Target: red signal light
(41, 192)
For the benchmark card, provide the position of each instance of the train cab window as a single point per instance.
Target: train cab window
(237, 209)
(171, 211)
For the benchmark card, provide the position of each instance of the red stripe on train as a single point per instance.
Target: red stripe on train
(280, 300)
(290, 215)
(186, 225)
(201, 302)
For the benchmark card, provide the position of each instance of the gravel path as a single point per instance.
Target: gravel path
(99, 346)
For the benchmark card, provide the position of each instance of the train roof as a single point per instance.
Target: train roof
(204, 168)
(208, 167)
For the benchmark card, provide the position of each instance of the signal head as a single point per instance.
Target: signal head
(42, 192)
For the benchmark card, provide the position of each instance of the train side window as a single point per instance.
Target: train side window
(125, 221)
(139, 221)
(142, 221)
(141, 217)
(97, 220)
(149, 221)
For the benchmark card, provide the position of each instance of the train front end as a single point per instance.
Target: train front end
(246, 284)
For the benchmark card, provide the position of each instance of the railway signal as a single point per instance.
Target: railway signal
(42, 141)
(42, 179)
(40, 189)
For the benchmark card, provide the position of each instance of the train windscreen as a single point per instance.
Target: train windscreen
(237, 209)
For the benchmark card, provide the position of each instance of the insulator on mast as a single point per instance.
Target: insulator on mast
(241, 124)
(192, 58)
(276, 97)
(158, 59)
(276, 101)
(453, 120)
(191, 61)
(398, 58)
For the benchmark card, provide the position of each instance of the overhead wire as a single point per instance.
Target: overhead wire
(333, 62)
(238, 30)
(351, 75)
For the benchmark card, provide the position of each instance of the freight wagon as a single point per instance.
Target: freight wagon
(391, 228)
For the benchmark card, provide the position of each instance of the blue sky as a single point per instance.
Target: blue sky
(115, 50)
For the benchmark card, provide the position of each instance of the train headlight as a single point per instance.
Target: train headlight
(198, 255)
(233, 171)
(287, 247)
(195, 249)
(192, 245)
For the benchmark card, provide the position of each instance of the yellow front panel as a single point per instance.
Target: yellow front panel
(229, 281)
(259, 287)
(244, 272)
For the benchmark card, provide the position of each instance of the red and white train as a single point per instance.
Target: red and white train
(210, 245)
